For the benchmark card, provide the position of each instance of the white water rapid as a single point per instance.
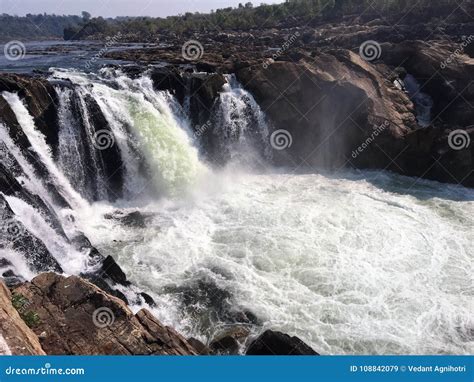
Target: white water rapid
(359, 263)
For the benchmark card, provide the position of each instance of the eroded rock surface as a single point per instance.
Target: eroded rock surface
(76, 317)
(15, 336)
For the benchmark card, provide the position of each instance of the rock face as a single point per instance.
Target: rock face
(76, 317)
(341, 111)
(329, 104)
(41, 100)
(276, 343)
(15, 336)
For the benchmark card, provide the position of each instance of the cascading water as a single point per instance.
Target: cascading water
(142, 122)
(364, 263)
(240, 124)
(422, 101)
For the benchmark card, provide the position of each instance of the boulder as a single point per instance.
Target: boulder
(75, 317)
(15, 336)
(201, 348)
(444, 71)
(328, 105)
(276, 343)
(337, 110)
(230, 341)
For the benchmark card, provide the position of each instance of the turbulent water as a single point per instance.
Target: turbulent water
(366, 262)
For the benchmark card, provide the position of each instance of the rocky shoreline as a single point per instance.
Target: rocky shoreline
(58, 315)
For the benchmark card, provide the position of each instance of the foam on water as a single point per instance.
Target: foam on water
(348, 266)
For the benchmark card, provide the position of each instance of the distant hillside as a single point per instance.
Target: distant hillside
(289, 14)
(35, 27)
(244, 17)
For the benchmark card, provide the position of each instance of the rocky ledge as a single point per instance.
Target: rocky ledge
(57, 315)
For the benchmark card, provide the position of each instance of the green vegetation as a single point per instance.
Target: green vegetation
(244, 17)
(35, 27)
(21, 303)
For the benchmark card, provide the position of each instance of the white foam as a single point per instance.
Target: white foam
(343, 264)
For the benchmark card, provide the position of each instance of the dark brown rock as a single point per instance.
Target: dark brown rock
(276, 343)
(16, 337)
(76, 317)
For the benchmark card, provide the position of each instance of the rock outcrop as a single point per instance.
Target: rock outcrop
(276, 343)
(330, 104)
(75, 317)
(341, 111)
(15, 336)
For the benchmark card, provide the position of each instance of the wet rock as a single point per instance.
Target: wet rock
(343, 102)
(230, 341)
(4, 263)
(41, 100)
(134, 219)
(148, 299)
(114, 272)
(443, 70)
(169, 78)
(19, 338)
(106, 149)
(276, 343)
(80, 319)
(201, 349)
(225, 346)
(15, 234)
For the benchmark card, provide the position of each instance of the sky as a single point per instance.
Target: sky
(112, 8)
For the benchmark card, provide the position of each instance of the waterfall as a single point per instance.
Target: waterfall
(423, 102)
(240, 124)
(39, 144)
(151, 136)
